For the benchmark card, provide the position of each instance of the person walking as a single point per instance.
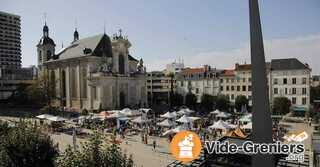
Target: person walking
(154, 145)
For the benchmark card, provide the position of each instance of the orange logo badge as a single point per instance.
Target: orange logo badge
(185, 146)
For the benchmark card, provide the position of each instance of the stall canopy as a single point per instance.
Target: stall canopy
(44, 116)
(247, 126)
(215, 112)
(185, 111)
(175, 130)
(129, 112)
(184, 119)
(236, 133)
(116, 114)
(246, 118)
(169, 115)
(56, 119)
(223, 115)
(166, 123)
(140, 120)
(221, 125)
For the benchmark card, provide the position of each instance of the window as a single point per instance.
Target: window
(249, 88)
(285, 81)
(275, 90)
(84, 83)
(238, 88)
(94, 92)
(232, 96)
(232, 88)
(243, 79)
(221, 88)
(249, 79)
(304, 80)
(294, 91)
(286, 91)
(227, 88)
(227, 80)
(304, 91)
(275, 81)
(294, 100)
(294, 81)
(232, 80)
(197, 90)
(244, 88)
(221, 80)
(304, 101)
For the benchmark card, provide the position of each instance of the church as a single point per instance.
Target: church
(93, 73)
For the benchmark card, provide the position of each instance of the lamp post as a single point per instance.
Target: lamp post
(261, 118)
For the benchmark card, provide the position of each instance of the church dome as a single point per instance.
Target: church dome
(46, 40)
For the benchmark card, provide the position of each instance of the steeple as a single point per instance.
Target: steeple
(75, 35)
(45, 30)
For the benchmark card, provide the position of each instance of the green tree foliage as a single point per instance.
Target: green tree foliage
(94, 153)
(281, 105)
(207, 102)
(240, 101)
(177, 99)
(191, 100)
(314, 93)
(24, 145)
(222, 103)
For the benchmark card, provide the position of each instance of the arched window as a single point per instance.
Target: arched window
(73, 83)
(121, 64)
(53, 84)
(84, 82)
(48, 55)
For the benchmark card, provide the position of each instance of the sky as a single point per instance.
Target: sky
(213, 32)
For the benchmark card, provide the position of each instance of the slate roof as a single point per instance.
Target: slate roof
(46, 40)
(76, 49)
(287, 64)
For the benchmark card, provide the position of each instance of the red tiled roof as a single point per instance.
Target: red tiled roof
(228, 72)
(193, 70)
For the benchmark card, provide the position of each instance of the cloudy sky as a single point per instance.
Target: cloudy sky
(214, 32)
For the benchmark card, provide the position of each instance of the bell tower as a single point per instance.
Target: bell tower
(45, 47)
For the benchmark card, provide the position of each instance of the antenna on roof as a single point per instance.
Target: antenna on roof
(75, 23)
(104, 27)
(62, 44)
(45, 18)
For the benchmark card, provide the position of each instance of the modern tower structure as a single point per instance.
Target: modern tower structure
(10, 49)
(261, 120)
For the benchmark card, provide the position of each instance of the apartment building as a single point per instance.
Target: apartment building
(159, 87)
(198, 81)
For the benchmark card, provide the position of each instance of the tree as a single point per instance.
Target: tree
(94, 153)
(191, 100)
(25, 145)
(207, 102)
(241, 101)
(177, 99)
(222, 102)
(281, 105)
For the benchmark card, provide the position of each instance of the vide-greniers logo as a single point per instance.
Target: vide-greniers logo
(185, 146)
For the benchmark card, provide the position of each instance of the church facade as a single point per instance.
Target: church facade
(93, 73)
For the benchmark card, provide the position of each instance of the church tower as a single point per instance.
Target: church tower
(45, 47)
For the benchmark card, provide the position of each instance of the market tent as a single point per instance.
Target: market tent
(184, 119)
(56, 119)
(169, 115)
(246, 118)
(175, 130)
(140, 120)
(215, 112)
(236, 133)
(116, 114)
(194, 118)
(185, 111)
(44, 116)
(166, 123)
(220, 125)
(223, 115)
(247, 126)
(129, 112)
